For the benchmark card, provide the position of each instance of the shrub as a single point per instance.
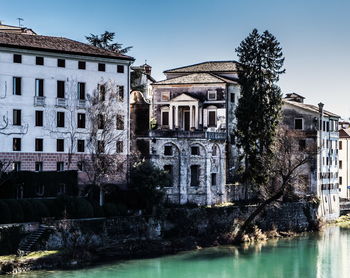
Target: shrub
(98, 210)
(83, 208)
(28, 210)
(110, 209)
(53, 207)
(40, 210)
(5, 213)
(17, 215)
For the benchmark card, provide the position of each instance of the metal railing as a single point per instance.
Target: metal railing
(187, 134)
(81, 103)
(39, 101)
(61, 102)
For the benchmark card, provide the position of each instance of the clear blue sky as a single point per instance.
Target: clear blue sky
(315, 35)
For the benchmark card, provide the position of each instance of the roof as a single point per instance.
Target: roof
(293, 95)
(56, 44)
(344, 133)
(16, 29)
(210, 66)
(310, 107)
(195, 78)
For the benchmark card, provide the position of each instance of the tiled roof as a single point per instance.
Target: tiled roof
(310, 107)
(344, 133)
(56, 44)
(195, 78)
(211, 66)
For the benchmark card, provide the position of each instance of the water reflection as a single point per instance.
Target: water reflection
(321, 255)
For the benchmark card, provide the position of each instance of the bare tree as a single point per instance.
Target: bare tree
(289, 165)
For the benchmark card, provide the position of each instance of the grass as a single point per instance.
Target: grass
(31, 256)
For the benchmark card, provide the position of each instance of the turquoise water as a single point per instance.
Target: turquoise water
(326, 254)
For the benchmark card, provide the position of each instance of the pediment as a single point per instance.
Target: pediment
(184, 97)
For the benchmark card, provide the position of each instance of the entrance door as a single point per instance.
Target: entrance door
(187, 120)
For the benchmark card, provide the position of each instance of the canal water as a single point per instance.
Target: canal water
(322, 255)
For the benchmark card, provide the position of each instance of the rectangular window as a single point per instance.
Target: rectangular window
(120, 68)
(165, 96)
(213, 179)
(100, 146)
(212, 119)
(302, 144)
(194, 175)
(60, 89)
(17, 166)
(17, 86)
(340, 164)
(39, 144)
(17, 117)
(232, 97)
(168, 150)
(81, 91)
(17, 58)
(61, 63)
(212, 95)
(60, 166)
(165, 118)
(39, 118)
(120, 93)
(38, 166)
(81, 120)
(120, 122)
(340, 180)
(60, 145)
(169, 170)
(120, 146)
(81, 65)
(39, 87)
(100, 121)
(16, 144)
(195, 150)
(340, 145)
(101, 67)
(60, 119)
(298, 124)
(102, 91)
(39, 61)
(81, 146)
(327, 126)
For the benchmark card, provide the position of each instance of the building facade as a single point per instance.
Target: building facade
(317, 128)
(193, 120)
(45, 84)
(344, 159)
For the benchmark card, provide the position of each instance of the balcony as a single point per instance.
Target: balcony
(81, 103)
(187, 134)
(39, 101)
(61, 102)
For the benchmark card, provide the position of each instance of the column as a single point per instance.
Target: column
(171, 117)
(176, 116)
(196, 118)
(191, 117)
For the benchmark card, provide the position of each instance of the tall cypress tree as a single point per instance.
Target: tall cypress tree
(258, 111)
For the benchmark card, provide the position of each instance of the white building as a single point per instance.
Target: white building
(344, 160)
(44, 84)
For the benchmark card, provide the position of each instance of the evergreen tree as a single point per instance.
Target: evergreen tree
(258, 111)
(105, 41)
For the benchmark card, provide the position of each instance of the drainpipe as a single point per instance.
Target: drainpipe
(319, 188)
(128, 125)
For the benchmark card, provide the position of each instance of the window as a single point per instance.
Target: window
(40, 189)
(81, 91)
(60, 145)
(165, 96)
(60, 166)
(101, 67)
(38, 166)
(39, 118)
(120, 93)
(81, 146)
(194, 175)
(61, 63)
(195, 150)
(39, 87)
(100, 121)
(60, 119)
(17, 58)
(169, 170)
(61, 188)
(340, 164)
(120, 146)
(100, 146)
(212, 119)
(213, 179)
(39, 61)
(17, 84)
(211, 95)
(60, 89)
(298, 124)
(81, 65)
(16, 144)
(17, 166)
(214, 151)
(81, 120)
(168, 150)
(340, 145)
(19, 189)
(120, 68)
(39, 144)
(120, 122)
(102, 90)
(340, 180)
(302, 144)
(327, 126)
(232, 97)
(165, 118)
(17, 118)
